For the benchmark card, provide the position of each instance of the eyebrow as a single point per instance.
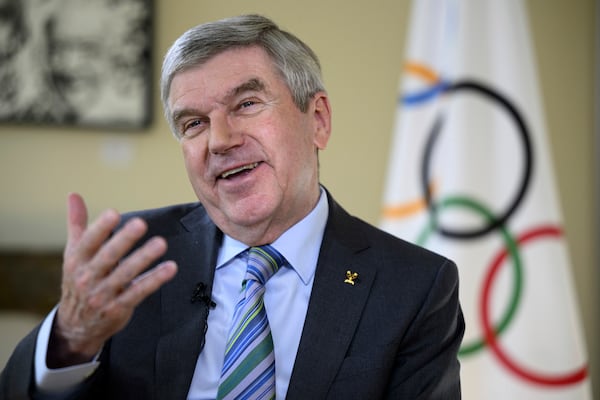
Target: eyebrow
(251, 85)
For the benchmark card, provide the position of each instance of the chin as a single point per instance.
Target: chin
(244, 212)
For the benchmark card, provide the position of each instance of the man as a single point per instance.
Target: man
(353, 313)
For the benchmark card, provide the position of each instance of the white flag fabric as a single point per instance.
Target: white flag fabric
(470, 177)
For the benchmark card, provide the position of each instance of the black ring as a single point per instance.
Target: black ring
(527, 153)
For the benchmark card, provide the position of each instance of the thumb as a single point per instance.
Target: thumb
(77, 217)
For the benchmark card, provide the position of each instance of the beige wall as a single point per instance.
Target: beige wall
(360, 44)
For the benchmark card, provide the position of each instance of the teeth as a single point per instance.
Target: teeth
(237, 170)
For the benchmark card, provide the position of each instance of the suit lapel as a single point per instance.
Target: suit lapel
(334, 309)
(183, 322)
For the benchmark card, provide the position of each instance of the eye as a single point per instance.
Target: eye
(193, 127)
(249, 106)
(246, 104)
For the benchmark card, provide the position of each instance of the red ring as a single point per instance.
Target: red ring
(490, 336)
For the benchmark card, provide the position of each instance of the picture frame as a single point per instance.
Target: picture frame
(82, 63)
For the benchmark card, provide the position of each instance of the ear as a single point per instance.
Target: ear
(321, 111)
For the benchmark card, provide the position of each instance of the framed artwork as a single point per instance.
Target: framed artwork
(76, 62)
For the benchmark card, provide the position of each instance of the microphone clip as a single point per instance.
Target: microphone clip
(201, 294)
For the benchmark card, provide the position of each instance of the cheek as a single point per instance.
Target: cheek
(297, 141)
(187, 157)
(193, 159)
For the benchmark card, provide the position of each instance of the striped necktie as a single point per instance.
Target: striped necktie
(249, 367)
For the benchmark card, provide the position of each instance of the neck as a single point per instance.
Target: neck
(271, 229)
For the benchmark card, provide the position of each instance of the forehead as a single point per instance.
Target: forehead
(225, 72)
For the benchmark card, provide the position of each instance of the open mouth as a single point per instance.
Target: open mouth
(239, 170)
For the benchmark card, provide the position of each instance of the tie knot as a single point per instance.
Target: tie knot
(263, 263)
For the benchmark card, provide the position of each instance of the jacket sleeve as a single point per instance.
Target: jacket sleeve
(427, 366)
(17, 379)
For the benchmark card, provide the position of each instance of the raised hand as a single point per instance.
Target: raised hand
(101, 284)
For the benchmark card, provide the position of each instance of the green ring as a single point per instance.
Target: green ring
(476, 345)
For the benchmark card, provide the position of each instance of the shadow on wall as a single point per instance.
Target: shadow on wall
(29, 282)
(29, 289)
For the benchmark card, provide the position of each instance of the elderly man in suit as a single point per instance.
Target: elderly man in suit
(266, 287)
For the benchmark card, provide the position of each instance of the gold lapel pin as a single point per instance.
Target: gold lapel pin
(351, 277)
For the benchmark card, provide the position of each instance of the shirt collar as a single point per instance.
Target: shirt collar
(300, 244)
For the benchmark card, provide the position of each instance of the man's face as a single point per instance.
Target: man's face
(250, 153)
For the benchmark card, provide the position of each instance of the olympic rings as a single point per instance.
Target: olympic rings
(491, 335)
(435, 87)
(511, 245)
(495, 222)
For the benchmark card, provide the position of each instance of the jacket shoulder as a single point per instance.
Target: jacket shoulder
(349, 226)
(168, 220)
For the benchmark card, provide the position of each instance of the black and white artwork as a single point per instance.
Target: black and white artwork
(76, 62)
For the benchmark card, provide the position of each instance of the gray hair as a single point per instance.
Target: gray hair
(297, 63)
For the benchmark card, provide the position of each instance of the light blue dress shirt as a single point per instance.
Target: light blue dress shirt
(286, 301)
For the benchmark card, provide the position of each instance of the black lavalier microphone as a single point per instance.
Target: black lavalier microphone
(201, 294)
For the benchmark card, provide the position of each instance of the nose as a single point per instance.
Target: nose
(223, 135)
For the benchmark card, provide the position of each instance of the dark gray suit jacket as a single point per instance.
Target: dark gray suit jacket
(394, 334)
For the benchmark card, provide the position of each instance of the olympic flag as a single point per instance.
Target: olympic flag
(470, 176)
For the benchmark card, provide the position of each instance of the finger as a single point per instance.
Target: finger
(76, 217)
(96, 235)
(146, 284)
(136, 263)
(113, 250)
